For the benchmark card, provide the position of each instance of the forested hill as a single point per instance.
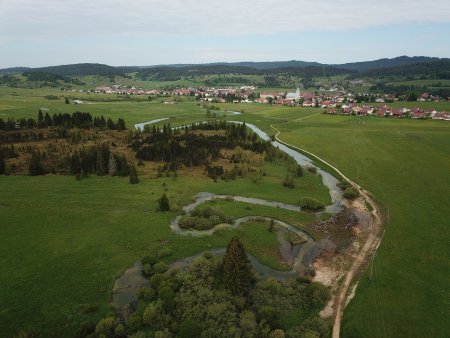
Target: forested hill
(82, 69)
(385, 63)
(436, 69)
(401, 66)
(174, 73)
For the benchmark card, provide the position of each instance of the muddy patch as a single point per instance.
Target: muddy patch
(126, 288)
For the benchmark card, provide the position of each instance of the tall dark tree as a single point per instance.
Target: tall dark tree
(134, 179)
(237, 273)
(2, 165)
(35, 168)
(163, 203)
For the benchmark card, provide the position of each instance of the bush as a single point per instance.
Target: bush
(106, 327)
(147, 270)
(351, 193)
(149, 259)
(165, 252)
(311, 204)
(189, 329)
(160, 267)
(146, 293)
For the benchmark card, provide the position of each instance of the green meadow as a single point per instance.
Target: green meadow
(404, 163)
(63, 242)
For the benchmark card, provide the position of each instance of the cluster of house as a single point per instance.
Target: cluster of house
(386, 111)
(203, 92)
(339, 102)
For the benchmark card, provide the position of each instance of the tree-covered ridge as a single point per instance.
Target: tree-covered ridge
(176, 73)
(435, 69)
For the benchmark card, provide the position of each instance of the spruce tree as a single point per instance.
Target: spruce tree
(2, 165)
(237, 273)
(134, 179)
(112, 165)
(35, 167)
(163, 203)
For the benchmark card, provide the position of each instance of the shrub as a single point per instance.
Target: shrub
(146, 293)
(289, 182)
(149, 259)
(165, 252)
(106, 327)
(189, 329)
(311, 204)
(351, 193)
(147, 270)
(160, 267)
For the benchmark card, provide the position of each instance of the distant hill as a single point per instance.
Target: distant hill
(400, 66)
(14, 70)
(434, 69)
(385, 63)
(82, 69)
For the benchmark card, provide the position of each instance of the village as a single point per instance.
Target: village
(334, 101)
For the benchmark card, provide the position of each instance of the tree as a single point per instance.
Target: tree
(237, 274)
(299, 171)
(112, 165)
(134, 179)
(66, 101)
(35, 168)
(271, 225)
(189, 329)
(2, 165)
(163, 203)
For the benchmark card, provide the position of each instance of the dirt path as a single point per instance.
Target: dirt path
(366, 252)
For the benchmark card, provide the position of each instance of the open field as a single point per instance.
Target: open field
(64, 241)
(402, 163)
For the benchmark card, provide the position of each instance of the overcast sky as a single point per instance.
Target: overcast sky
(146, 32)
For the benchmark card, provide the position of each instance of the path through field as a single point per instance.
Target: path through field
(367, 251)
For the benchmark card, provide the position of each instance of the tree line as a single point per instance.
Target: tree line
(77, 119)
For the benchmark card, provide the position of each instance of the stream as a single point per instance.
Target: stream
(300, 256)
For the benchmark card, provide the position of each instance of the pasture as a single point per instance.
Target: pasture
(64, 241)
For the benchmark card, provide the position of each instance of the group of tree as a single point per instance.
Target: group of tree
(183, 146)
(74, 120)
(99, 160)
(220, 297)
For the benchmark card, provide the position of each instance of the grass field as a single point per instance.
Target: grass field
(64, 241)
(404, 163)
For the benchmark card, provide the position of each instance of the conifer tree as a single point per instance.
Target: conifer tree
(2, 165)
(134, 179)
(163, 203)
(237, 274)
(112, 165)
(35, 167)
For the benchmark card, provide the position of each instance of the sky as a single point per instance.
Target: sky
(148, 32)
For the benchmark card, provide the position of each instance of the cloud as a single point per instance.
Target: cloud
(46, 19)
